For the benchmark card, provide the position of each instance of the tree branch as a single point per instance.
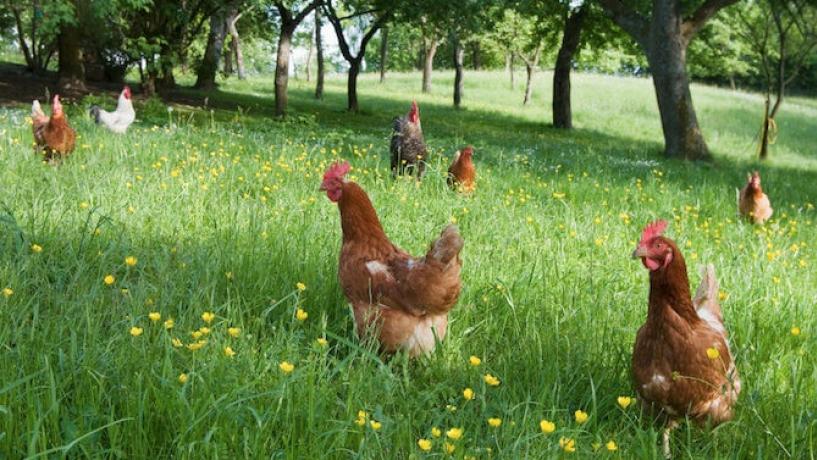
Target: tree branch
(694, 23)
(629, 20)
(358, 14)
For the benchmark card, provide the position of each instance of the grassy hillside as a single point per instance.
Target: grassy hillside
(221, 213)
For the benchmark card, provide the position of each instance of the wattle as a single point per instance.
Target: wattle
(650, 264)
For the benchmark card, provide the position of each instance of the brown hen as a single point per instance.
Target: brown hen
(401, 300)
(462, 174)
(54, 137)
(682, 364)
(753, 204)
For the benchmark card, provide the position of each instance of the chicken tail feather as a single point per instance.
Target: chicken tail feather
(448, 246)
(36, 110)
(706, 296)
(94, 113)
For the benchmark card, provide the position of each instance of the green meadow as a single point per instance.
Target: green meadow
(214, 214)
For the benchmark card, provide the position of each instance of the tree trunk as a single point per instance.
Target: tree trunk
(168, 80)
(150, 82)
(235, 44)
(319, 54)
(227, 56)
(206, 75)
(282, 68)
(309, 62)
(459, 57)
(476, 57)
(384, 48)
(71, 70)
(428, 64)
(667, 58)
(351, 87)
(764, 132)
(528, 84)
(511, 70)
(571, 39)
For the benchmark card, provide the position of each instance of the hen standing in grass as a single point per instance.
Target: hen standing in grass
(54, 137)
(462, 174)
(408, 148)
(120, 119)
(753, 204)
(402, 300)
(682, 364)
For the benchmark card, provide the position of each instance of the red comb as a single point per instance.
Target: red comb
(468, 150)
(337, 170)
(652, 230)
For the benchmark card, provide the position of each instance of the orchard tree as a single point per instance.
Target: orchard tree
(367, 18)
(783, 36)
(663, 31)
(36, 27)
(290, 13)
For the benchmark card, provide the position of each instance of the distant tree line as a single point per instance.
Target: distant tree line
(768, 45)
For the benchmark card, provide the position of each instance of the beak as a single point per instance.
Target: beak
(639, 252)
(322, 188)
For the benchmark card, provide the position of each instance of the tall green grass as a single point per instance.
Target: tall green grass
(221, 210)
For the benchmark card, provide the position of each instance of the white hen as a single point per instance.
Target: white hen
(120, 119)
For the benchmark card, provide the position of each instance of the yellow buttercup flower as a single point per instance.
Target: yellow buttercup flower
(624, 401)
(204, 330)
(196, 345)
(713, 353)
(375, 425)
(169, 323)
(450, 448)
(109, 280)
(494, 422)
(567, 444)
(474, 361)
(234, 332)
(547, 426)
(322, 342)
(130, 261)
(491, 380)
(611, 446)
(228, 352)
(424, 444)
(7, 292)
(183, 378)
(581, 416)
(154, 316)
(468, 394)
(301, 286)
(795, 331)
(197, 334)
(208, 317)
(454, 433)
(361, 418)
(436, 432)
(301, 315)
(36, 248)
(286, 367)
(136, 331)
(176, 342)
